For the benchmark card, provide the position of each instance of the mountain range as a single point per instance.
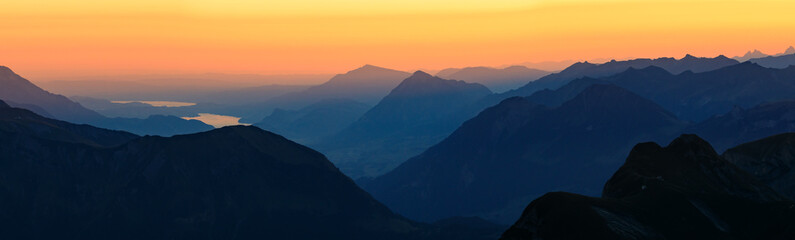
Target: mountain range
(585, 69)
(68, 181)
(758, 54)
(782, 61)
(20, 92)
(518, 150)
(529, 136)
(682, 191)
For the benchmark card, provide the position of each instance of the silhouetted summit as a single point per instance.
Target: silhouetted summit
(367, 84)
(682, 191)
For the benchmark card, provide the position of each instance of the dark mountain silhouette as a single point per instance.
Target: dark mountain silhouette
(585, 69)
(783, 61)
(367, 84)
(745, 125)
(682, 191)
(418, 113)
(22, 93)
(698, 96)
(498, 80)
(24, 122)
(518, 150)
(229, 183)
(316, 121)
(750, 55)
(693, 96)
(771, 160)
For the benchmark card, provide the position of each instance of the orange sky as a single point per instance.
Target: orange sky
(48, 39)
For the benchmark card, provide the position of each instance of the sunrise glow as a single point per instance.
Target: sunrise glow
(47, 39)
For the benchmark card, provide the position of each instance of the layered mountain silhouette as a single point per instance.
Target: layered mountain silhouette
(681, 191)
(498, 80)
(518, 150)
(783, 61)
(771, 160)
(20, 92)
(692, 96)
(314, 122)
(367, 84)
(745, 125)
(585, 69)
(69, 182)
(418, 113)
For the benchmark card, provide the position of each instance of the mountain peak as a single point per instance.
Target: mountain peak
(790, 50)
(4, 104)
(692, 144)
(689, 57)
(421, 74)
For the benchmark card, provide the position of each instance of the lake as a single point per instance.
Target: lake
(216, 120)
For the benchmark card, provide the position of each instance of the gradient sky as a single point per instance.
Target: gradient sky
(47, 39)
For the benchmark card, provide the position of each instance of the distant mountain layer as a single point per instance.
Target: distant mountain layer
(745, 125)
(783, 61)
(518, 150)
(498, 80)
(693, 96)
(419, 112)
(682, 191)
(314, 122)
(20, 92)
(228, 183)
(750, 55)
(579, 70)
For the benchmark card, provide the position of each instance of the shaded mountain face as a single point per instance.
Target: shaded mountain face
(18, 121)
(692, 96)
(367, 84)
(498, 80)
(771, 160)
(20, 92)
(744, 125)
(585, 69)
(783, 61)
(698, 96)
(229, 183)
(316, 121)
(419, 112)
(516, 151)
(682, 191)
